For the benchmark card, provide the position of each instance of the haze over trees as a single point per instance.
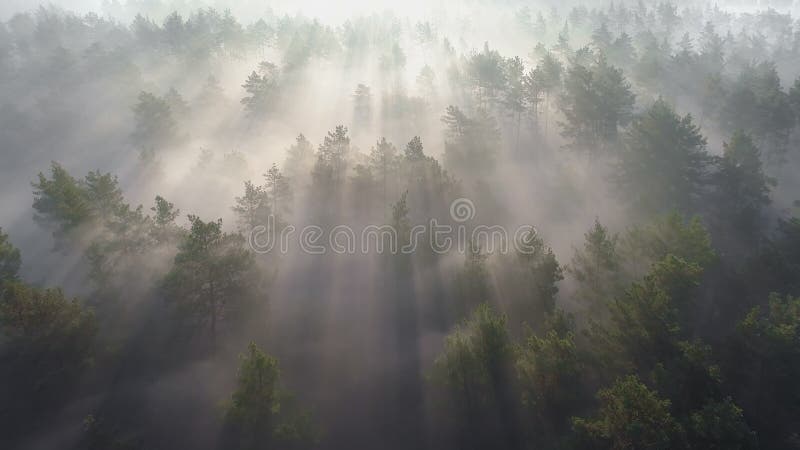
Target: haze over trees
(207, 217)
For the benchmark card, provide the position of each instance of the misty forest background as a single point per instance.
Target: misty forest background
(654, 146)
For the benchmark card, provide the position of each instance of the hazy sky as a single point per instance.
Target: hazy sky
(332, 11)
(9, 7)
(338, 10)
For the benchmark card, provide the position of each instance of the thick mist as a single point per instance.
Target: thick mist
(650, 149)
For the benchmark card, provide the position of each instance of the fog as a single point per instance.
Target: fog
(639, 162)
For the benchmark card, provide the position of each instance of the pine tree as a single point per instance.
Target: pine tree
(630, 416)
(472, 281)
(541, 273)
(597, 268)
(514, 99)
(335, 152)
(472, 142)
(154, 124)
(299, 161)
(49, 334)
(545, 80)
(362, 100)
(596, 101)
(279, 190)
(765, 361)
(164, 229)
(741, 187)
(671, 234)
(414, 150)
(664, 164)
(10, 260)
(262, 89)
(254, 208)
(61, 202)
(474, 364)
(260, 410)
(383, 164)
(211, 276)
(486, 71)
(549, 370)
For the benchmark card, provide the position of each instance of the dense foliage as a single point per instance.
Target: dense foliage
(654, 303)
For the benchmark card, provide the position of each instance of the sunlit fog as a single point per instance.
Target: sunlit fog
(443, 225)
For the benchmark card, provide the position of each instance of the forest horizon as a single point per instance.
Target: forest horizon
(500, 225)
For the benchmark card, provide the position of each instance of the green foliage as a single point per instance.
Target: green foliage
(742, 188)
(10, 259)
(778, 264)
(55, 334)
(332, 159)
(212, 274)
(712, 53)
(256, 399)
(671, 234)
(304, 39)
(654, 55)
(763, 368)
(258, 407)
(541, 273)
(262, 90)
(549, 371)
(279, 190)
(631, 416)
(103, 195)
(596, 101)
(548, 73)
(780, 325)
(757, 103)
(597, 268)
(430, 187)
(400, 222)
(678, 373)
(660, 148)
(720, 425)
(61, 201)
(154, 124)
(472, 283)
(414, 150)
(95, 207)
(647, 321)
(65, 204)
(543, 82)
(474, 360)
(127, 236)
(383, 163)
(688, 377)
(164, 219)
(253, 208)
(472, 142)
(129, 233)
(365, 187)
(299, 161)
(486, 72)
(514, 99)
